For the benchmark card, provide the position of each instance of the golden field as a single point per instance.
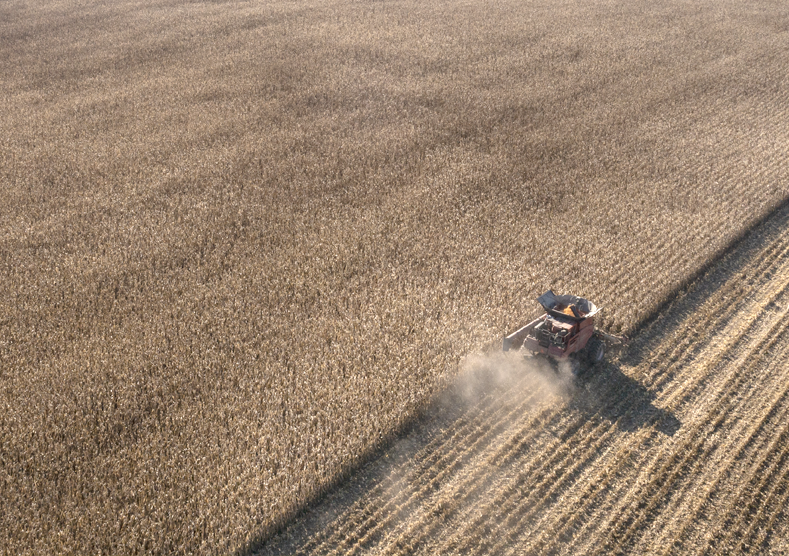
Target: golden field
(243, 243)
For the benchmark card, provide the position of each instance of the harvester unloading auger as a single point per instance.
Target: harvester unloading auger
(565, 330)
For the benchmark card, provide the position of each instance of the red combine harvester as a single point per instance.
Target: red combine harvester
(565, 330)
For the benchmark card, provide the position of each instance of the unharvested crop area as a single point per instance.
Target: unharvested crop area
(242, 243)
(678, 446)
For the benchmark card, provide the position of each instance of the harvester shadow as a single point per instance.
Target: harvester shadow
(605, 392)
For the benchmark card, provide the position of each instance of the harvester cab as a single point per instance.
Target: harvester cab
(567, 329)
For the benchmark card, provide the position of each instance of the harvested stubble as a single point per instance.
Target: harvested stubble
(242, 242)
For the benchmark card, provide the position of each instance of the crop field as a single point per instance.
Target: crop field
(245, 245)
(680, 445)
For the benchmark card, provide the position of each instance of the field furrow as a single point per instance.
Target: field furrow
(754, 498)
(733, 464)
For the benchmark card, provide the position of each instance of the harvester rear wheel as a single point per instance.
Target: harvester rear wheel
(595, 351)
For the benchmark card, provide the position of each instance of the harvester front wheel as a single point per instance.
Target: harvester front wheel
(595, 351)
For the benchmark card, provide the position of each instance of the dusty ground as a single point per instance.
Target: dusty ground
(676, 445)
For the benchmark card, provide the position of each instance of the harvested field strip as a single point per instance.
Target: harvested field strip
(718, 312)
(432, 480)
(771, 509)
(685, 459)
(465, 486)
(552, 472)
(722, 396)
(752, 441)
(420, 529)
(520, 509)
(440, 455)
(677, 446)
(473, 448)
(746, 459)
(767, 478)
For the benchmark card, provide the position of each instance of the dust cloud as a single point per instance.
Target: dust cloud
(487, 373)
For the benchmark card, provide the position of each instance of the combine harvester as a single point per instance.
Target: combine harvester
(566, 330)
